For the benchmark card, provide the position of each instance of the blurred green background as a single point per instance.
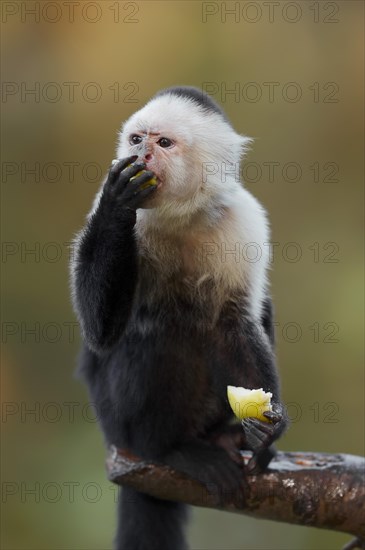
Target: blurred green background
(296, 69)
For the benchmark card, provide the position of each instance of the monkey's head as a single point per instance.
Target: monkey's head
(184, 137)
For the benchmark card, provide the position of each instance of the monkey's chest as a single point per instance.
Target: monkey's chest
(191, 265)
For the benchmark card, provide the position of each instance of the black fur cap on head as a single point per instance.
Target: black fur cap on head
(197, 95)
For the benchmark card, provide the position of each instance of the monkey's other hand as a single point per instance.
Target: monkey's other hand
(212, 466)
(122, 191)
(260, 435)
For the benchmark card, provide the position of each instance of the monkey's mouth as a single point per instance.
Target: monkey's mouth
(152, 167)
(158, 178)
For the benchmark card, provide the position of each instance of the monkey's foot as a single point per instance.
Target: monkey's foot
(213, 467)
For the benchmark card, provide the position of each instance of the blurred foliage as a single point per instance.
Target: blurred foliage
(57, 451)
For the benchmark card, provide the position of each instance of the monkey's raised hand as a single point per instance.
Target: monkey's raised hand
(259, 437)
(122, 191)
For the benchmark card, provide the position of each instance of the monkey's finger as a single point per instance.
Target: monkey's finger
(255, 442)
(258, 437)
(144, 193)
(264, 427)
(266, 434)
(253, 433)
(141, 195)
(251, 424)
(134, 195)
(141, 181)
(273, 416)
(128, 173)
(118, 165)
(136, 187)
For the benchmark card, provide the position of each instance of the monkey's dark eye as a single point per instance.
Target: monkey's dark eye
(164, 142)
(135, 139)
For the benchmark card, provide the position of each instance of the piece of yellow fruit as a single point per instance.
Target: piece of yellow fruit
(148, 183)
(249, 403)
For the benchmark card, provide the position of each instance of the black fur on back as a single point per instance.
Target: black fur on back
(197, 95)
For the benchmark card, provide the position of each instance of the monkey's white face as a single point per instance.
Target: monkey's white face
(165, 154)
(179, 140)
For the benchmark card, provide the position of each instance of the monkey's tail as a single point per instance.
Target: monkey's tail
(147, 523)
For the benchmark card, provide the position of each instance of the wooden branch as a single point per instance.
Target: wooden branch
(313, 489)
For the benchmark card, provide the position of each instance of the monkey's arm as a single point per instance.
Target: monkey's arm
(259, 435)
(251, 363)
(104, 273)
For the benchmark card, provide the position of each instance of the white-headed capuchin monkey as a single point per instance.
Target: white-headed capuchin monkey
(174, 307)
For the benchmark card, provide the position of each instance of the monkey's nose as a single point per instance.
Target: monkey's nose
(148, 157)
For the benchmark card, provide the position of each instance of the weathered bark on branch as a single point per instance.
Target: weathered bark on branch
(313, 489)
